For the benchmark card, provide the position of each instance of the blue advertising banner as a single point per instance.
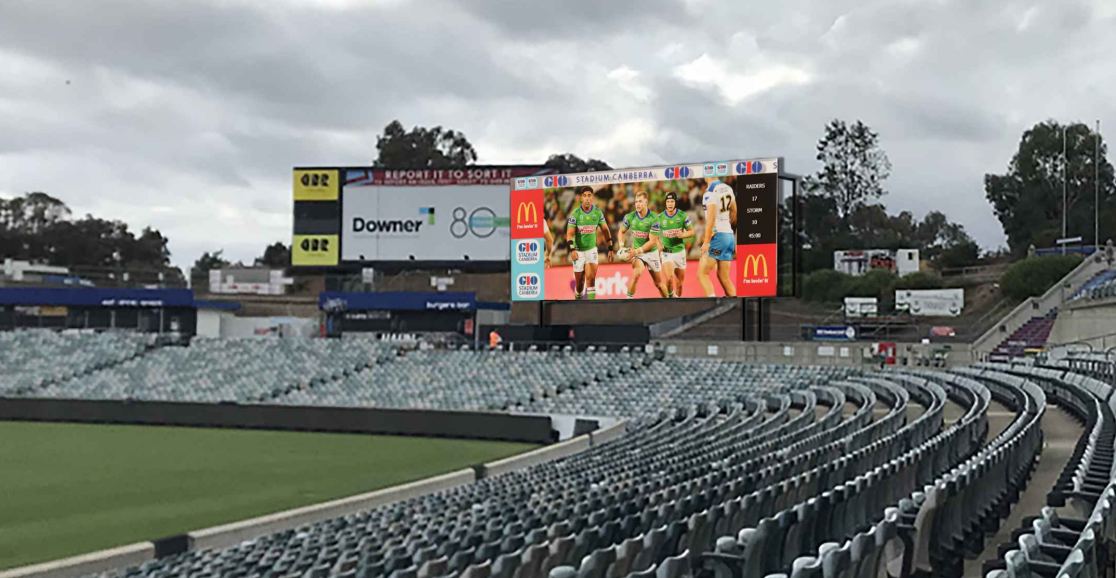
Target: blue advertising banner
(835, 333)
(96, 297)
(399, 301)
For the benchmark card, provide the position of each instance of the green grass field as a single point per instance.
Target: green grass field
(70, 488)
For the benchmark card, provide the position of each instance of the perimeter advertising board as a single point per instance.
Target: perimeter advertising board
(642, 233)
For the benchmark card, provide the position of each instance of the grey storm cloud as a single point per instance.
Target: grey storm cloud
(188, 116)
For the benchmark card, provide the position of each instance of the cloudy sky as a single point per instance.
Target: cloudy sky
(189, 115)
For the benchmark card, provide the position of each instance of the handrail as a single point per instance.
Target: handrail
(1087, 266)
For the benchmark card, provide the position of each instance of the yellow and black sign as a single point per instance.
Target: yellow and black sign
(314, 250)
(317, 184)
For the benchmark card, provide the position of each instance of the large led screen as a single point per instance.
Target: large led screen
(684, 231)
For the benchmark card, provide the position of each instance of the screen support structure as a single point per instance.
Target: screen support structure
(755, 318)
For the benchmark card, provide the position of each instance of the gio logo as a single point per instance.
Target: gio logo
(559, 181)
(749, 168)
(427, 211)
(527, 286)
(527, 253)
(754, 261)
(677, 172)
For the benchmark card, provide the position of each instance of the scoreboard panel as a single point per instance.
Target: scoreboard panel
(672, 197)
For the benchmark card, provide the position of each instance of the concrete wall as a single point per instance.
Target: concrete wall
(1038, 306)
(849, 354)
(210, 320)
(1091, 321)
(565, 424)
(427, 423)
(247, 326)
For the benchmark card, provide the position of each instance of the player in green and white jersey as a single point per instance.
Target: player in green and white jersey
(674, 228)
(644, 225)
(581, 238)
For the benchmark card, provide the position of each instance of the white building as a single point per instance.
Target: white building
(901, 262)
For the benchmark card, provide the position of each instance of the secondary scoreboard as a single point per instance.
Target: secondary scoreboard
(352, 217)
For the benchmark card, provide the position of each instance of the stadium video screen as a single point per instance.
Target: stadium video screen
(686, 231)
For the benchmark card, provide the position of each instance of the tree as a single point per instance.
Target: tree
(962, 254)
(23, 220)
(874, 227)
(151, 247)
(422, 148)
(1028, 198)
(275, 256)
(853, 166)
(570, 163)
(209, 261)
(947, 245)
(37, 227)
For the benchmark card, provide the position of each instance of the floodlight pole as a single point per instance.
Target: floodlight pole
(1096, 189)
(1065, 197)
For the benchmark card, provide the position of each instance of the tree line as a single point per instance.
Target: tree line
(840, 204)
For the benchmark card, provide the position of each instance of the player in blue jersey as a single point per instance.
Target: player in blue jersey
(718, 248)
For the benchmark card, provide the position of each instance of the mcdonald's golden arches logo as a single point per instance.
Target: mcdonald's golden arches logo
(754, 261)
(526, 215)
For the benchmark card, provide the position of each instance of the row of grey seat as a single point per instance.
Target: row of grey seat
(749, 471)
(896, 500)
(365, 373)
(655, 500)
(1050, 544)
(672, 452)
(946, 524)
(36, 358)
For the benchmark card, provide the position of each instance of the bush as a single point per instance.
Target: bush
(825, 286)
(875, 283)
(1033, 276)
(919, 280)
(963, 254)
(829, 286)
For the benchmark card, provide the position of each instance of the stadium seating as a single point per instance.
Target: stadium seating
(673, 382)
(1031, 335)
(1050, 543)
(373, 374)
(657, 499)
(726, 469)
(1098, 286)
(470, 380)
(34, 359)
(216, 370)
